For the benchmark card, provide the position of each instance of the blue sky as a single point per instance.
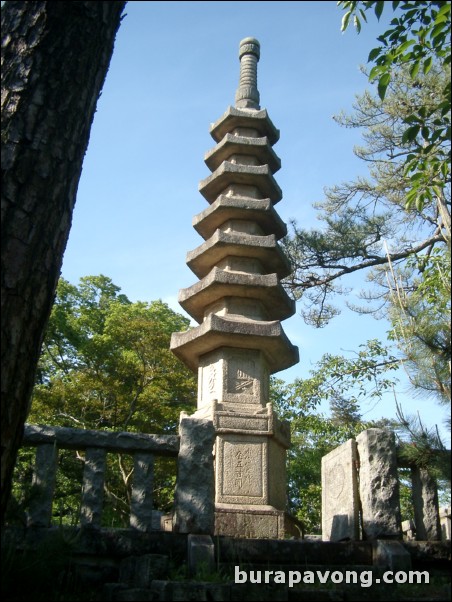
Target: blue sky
(174, 71)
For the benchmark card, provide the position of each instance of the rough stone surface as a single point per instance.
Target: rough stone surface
(391, 555)
(194, 495)
(257, 288)
(234, 118)
(445, 521)
(74, 438)
(250, 521)
(93, 487)
(218, 331)
(379, 485)
(201, 555)
(224, 244)
(140, 571)
(340, 499)
(43, 485)
(261, 211)
(425, 505)
(408, 530)
(142, 492)
(259, 177)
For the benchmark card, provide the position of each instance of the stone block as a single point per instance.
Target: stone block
(379, 484)
(142, 492)
(236, 377)
(250, 468)
(43, 485)
(408, 530)
(257, 522)
(140, 571)
(194, 495)
(134, 595)
(445, 521)
(391, 555)
(199, 591)
(161, 591)
(340, 500)
(201, 555)
(425, 506)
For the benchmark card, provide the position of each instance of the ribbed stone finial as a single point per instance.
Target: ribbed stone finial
(247, 95)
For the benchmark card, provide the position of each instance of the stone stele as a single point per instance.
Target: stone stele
(379, 484)
(340, 498)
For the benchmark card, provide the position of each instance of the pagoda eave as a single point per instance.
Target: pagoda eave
(225, 208)
(220, 284)
(231, 174)
(226, 244)
(258, 148)
(217, 331)
(235, 118)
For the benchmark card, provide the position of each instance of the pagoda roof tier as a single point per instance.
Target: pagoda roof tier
(260, 211)
(218, 331)
(259, 148)
(219, 284)
(254, 119)
(229, 174)
(225, 244)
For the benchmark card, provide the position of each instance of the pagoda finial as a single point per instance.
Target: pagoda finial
(247, 95)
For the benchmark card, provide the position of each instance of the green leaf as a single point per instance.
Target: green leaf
(425, 133)
(383, 83)
(345, 20)
(410, 134)
(357, 23)
(376, 71)
(415, 69)
(427, 65)
(373, 54)
(379, 6)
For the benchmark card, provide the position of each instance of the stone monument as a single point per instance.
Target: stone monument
(238, 303)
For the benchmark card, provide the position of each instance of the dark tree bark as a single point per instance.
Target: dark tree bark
(55, 56)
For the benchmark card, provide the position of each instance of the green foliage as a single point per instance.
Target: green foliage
(364, 376)
(106, 364)
(420, 314)
(365, 223)
(418, 38)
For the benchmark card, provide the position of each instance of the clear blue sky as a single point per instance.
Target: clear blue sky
(174, 71)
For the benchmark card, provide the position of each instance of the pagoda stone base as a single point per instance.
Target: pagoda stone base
(257, 522)
(250, 473)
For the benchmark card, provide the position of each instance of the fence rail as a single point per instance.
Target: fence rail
(96, 444)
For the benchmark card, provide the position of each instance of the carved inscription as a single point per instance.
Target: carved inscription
(241, 376)
(242, 469)
(212, 379)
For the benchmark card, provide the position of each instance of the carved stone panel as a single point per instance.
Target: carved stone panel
(242, 469)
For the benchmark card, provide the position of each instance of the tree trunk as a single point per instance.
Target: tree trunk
(55, 57)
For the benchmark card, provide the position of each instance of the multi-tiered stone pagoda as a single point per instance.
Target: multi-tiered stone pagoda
(239, 303)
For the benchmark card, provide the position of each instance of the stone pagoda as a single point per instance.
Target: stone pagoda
(239, 303)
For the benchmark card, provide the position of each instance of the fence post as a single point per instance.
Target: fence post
(425, 505)
(142, 490)
(195, 489)
(43, 485)
(93, 487)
